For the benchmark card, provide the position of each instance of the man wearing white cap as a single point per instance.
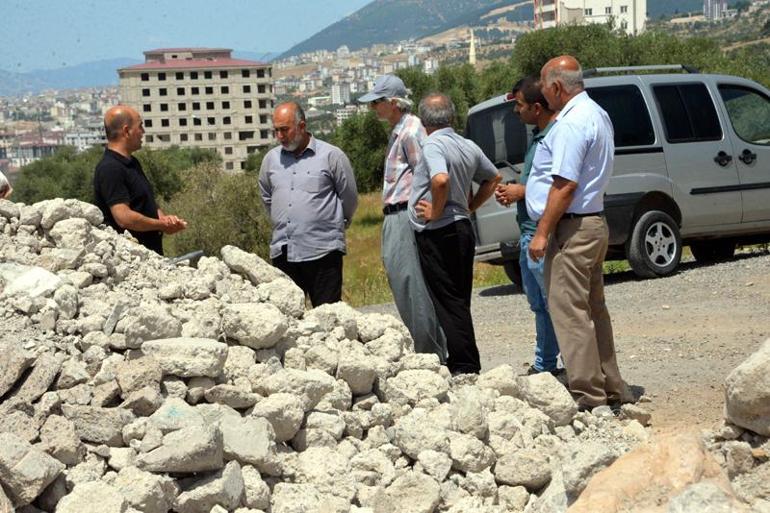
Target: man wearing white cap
(388, 99)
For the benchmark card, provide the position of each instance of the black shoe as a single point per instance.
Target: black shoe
(555, 372)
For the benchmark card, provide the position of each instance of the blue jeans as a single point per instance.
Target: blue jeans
(546, 346)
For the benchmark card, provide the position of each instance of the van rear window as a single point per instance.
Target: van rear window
(688, 113)
(628, 113)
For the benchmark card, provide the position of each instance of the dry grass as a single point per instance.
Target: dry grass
(364, 280)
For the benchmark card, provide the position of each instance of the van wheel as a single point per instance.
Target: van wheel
(655, 246)
(713, 250)
(513, 271)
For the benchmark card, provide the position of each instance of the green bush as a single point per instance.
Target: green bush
(220, 208)
(364, 140)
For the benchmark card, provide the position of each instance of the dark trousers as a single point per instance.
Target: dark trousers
(321, 279)
(446, 257)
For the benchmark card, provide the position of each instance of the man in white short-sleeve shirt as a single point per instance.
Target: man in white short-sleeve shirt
(565, 193)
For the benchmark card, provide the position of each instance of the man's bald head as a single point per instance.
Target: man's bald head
(437, 111)
(117, 118)
(561, 79)
(290, 110)
(565, 69)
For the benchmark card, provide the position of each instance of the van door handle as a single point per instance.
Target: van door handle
(723, 159)
(747, 157)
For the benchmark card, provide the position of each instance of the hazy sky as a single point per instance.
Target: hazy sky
(37, 34)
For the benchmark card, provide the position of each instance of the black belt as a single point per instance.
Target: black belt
(573, 215)
(396, 207)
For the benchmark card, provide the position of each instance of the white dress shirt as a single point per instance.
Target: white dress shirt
(580, 148)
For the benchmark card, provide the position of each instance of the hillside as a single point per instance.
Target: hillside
(388, 21)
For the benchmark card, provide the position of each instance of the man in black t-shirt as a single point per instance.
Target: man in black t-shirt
(121, 189)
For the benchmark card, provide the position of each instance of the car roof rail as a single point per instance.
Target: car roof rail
(625, 69)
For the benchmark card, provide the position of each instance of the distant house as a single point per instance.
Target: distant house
(628, 15)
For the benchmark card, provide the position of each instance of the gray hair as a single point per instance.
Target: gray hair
(571, 80)
(402, 104)
(299, 113)
(437, 111)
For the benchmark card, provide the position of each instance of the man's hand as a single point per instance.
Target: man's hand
(537, 247)
(172, 224)
(506, 194)
(6, 191)
(424, 210)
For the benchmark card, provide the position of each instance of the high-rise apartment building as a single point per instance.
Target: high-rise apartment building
(629, 15)
(341, 93)
(714, 9)
(204, 98)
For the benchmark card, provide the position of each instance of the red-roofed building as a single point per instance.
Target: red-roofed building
(202, 97)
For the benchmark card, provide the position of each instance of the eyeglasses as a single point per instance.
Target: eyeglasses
(378, 100)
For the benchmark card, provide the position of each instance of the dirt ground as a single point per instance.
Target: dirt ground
(677, 338)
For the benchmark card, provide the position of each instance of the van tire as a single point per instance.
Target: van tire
(513, 271)
(655, 246)
(708, 251)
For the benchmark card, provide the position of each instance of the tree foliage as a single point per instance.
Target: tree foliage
(220, 208)
(364, 140)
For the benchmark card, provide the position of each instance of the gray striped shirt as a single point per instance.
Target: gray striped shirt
(310, 199)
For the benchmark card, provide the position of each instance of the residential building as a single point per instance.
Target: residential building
(714, 9)
(629, 15)
(202, 97)
(348, 111)
(85, 137)
(341, 93)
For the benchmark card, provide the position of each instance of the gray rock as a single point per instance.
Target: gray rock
(66, 298)
(413, 386)
(415, 433)
(224, 488)
(256, 325)
(13, 362)
(285, 413)
(91, 469)
(747, 392)
(146, 492)
(60, 440)
(435, 464)
(9, 209)
(310, 385)
(249, 265)
(24, 470)
(71, 233)
(29, 280)
(188, 357)
(176, 414)
(704, 497)
(582, 462)
(93, 497)
(151, 324)
(20, 424)
(256, 493)
(544, 392)
(121, 457)
(143, 402)
(356, 368)
(468, 415)
(251, 441)
(526, 467)
(295, 498)
(73, 372)
(231, 395)
(190, 449)
(285, 295)
(98, 425)
(502, 379)
(133, 375)
(413, 492)
(469, 454)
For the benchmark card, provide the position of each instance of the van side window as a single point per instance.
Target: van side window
(499, 133)
(749, 112)
(628, 112)
(688, 113)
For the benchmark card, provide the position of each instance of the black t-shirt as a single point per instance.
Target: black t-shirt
(120, 179)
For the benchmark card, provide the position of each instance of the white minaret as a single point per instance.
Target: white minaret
(472, 50)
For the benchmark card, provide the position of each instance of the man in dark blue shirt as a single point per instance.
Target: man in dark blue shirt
(121, 189)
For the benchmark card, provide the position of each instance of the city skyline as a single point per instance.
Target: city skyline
(41, 34)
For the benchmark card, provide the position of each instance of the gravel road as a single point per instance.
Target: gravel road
(676, 337)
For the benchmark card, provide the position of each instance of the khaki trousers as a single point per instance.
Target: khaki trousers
(575, 285)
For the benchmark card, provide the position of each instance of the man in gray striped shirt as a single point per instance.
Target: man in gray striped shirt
(309, 190)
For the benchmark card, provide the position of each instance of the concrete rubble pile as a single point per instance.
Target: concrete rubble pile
(128, 384)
